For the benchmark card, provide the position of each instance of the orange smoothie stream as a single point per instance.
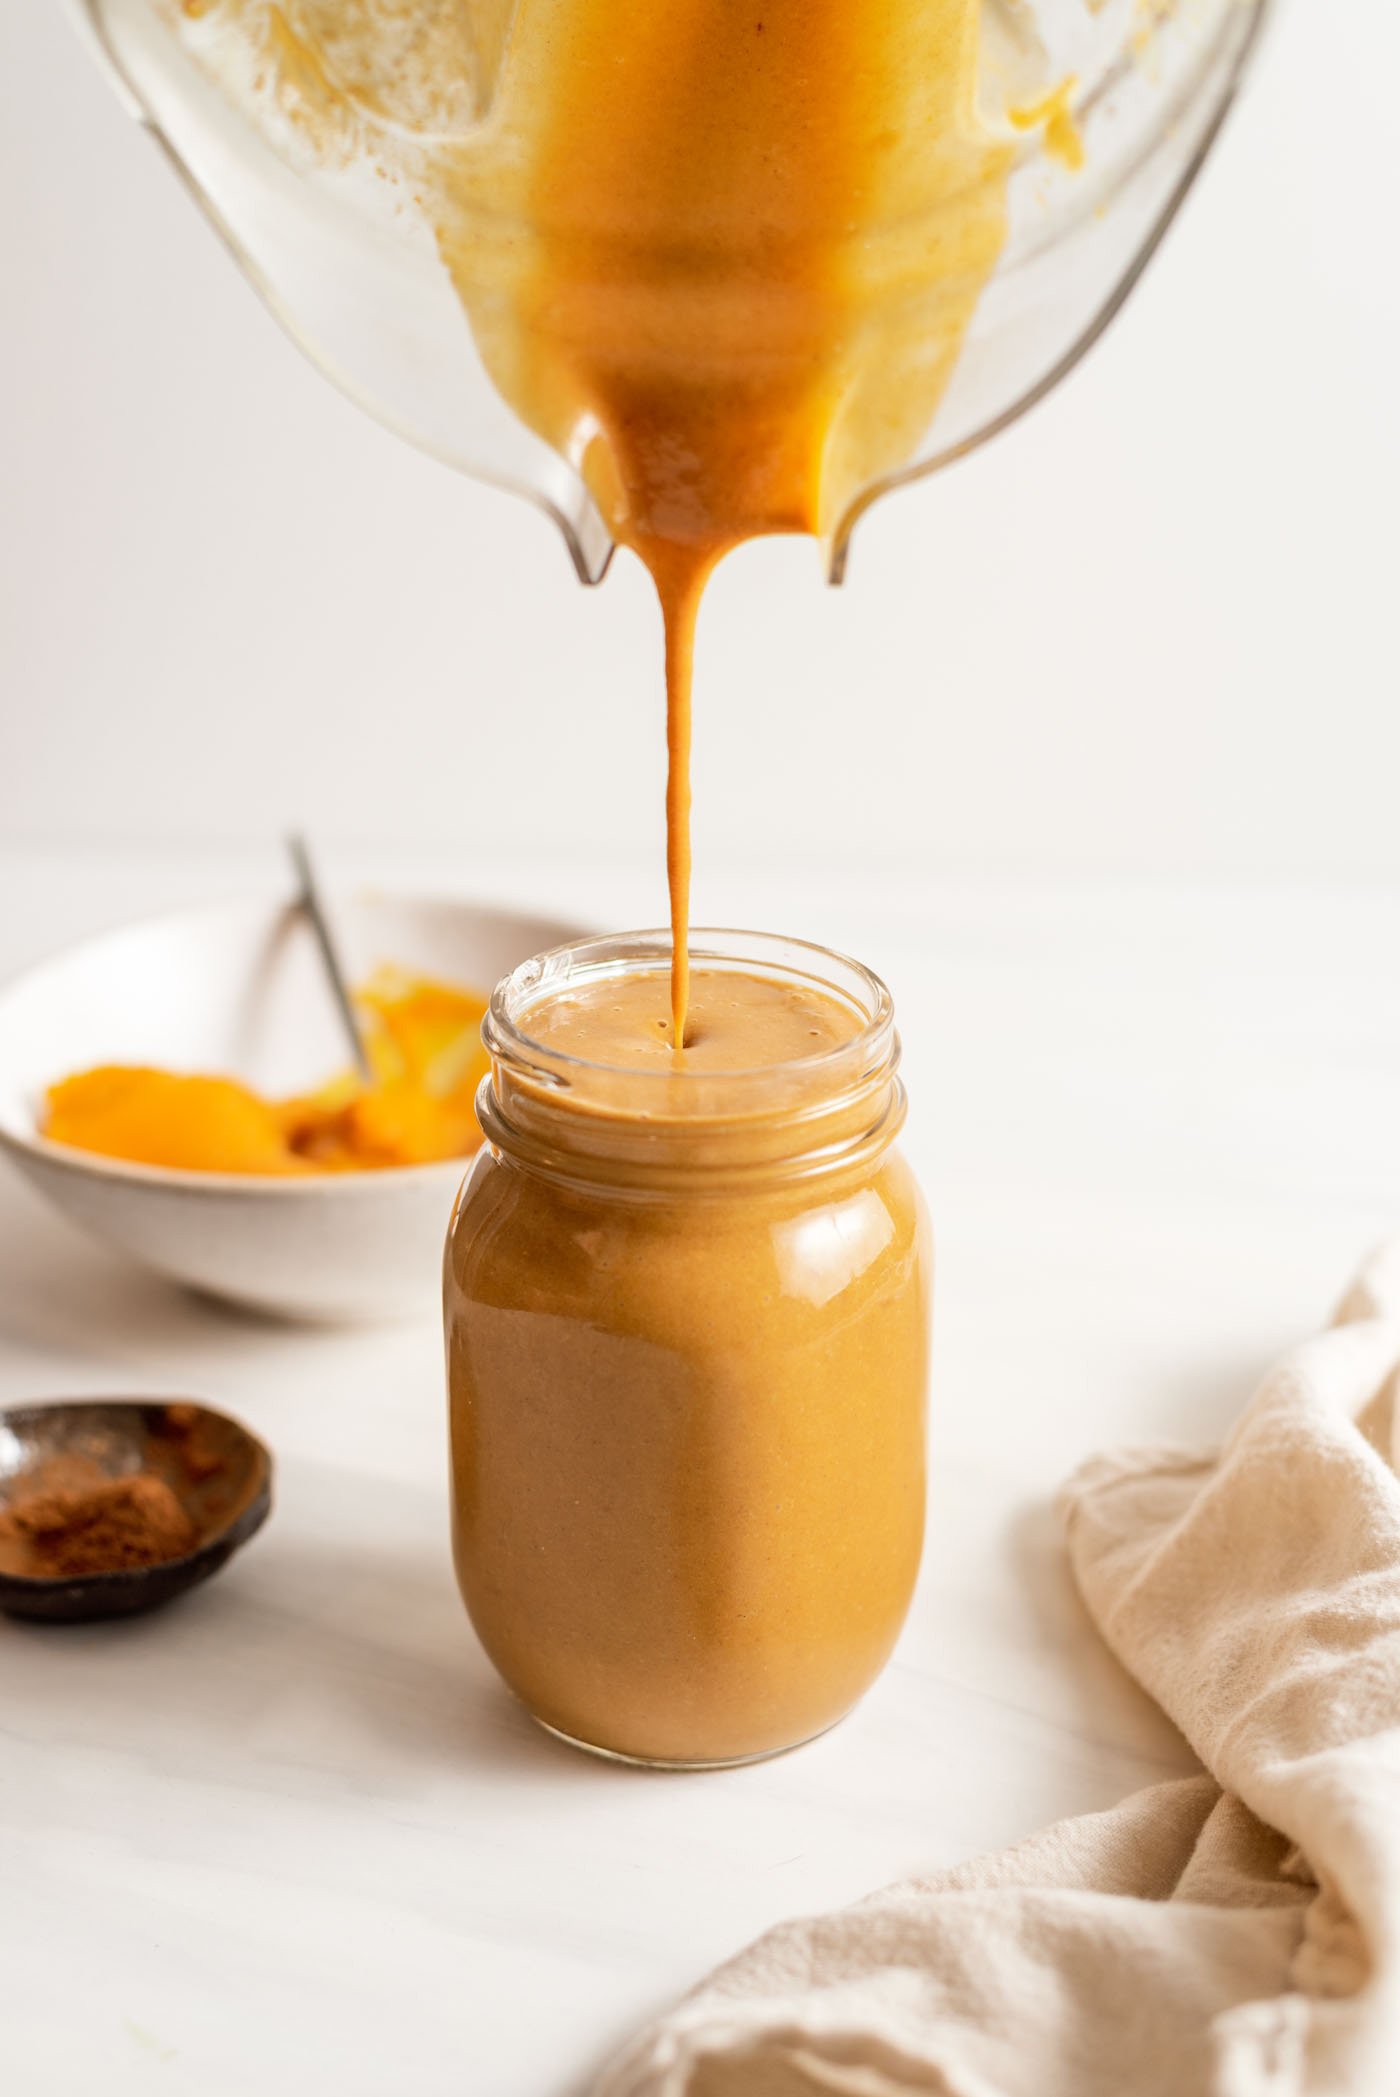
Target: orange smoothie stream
(687, 1324)
(757, 234)
(721, 254)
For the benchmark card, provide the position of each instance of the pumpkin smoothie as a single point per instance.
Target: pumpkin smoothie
(687, 1328)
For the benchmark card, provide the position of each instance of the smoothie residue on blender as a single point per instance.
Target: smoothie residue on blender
(722, 257)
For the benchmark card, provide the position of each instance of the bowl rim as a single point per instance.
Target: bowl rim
(34, 1147)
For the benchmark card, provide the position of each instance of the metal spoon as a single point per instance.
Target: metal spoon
(310, 901)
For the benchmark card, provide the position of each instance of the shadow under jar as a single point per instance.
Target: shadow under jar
(687, 1309)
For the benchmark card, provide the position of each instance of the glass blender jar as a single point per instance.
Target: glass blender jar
(336, 240)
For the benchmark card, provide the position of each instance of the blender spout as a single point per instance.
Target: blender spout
(591, 548)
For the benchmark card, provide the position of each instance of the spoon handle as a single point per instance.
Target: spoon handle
(309, 900)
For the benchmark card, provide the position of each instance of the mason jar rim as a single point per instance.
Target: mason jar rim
(670, 1126)
(600, 956)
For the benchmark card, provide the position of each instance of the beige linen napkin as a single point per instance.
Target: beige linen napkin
(1228, 1935)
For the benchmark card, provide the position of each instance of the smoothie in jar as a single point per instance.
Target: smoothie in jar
(687, 1329)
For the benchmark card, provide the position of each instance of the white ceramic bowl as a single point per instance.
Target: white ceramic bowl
(239, 990)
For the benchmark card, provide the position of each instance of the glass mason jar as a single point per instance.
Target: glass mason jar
(687, 1344)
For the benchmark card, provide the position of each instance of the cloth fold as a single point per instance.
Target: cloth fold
(1227, 1935)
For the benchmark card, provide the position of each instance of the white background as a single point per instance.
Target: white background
(1151, 631)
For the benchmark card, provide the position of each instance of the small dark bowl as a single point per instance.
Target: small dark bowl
(221, 1474)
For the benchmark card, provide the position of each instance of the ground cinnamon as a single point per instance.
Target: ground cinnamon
(99, 1528)
(202, 1444)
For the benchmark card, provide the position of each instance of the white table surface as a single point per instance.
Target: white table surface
(291, 1836)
